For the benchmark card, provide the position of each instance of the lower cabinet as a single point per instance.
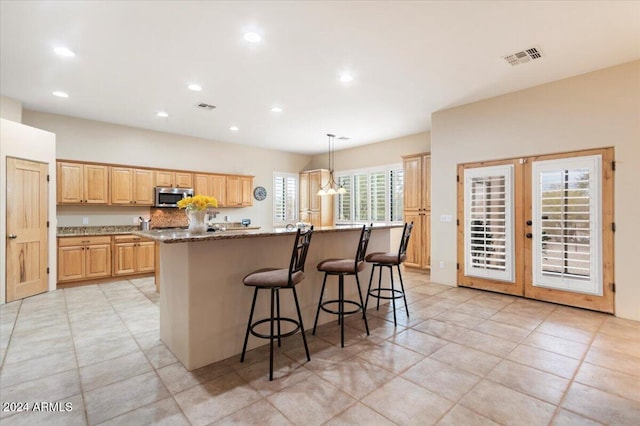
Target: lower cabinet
(87, 258)
(132, 255)
(81, 258)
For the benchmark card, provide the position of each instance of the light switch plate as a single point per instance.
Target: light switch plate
(446, 218)
(85, 220)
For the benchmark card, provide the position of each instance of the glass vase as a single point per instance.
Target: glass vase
(197, 224)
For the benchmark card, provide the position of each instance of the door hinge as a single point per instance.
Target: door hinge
(47, 224)
(613, 166)
(458, 266)
(457, 178)
(47, 269)
(47, 178)
(613, 287)
(457, 222)
(613, 226)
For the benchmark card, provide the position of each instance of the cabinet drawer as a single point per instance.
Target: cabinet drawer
(83, 241)
(128, 239)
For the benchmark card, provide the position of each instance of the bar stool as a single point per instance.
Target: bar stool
(390, 260)
(341, 268)
(275, 279)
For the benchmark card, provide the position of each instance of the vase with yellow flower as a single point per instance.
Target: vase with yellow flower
(196, 209)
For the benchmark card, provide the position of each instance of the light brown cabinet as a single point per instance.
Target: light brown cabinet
(79, 183)
(171, 179)
(81, 258)
(239, 191)
(132, 255)
(132, 186)
(212, 186)
(417, 208)
(315, 209)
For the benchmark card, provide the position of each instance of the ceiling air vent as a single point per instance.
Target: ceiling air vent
(206, 107)
(523, 56)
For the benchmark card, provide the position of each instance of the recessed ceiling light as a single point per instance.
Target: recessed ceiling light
(195, 87)
(162, 114)
(346, 78)
(234, 128)
(60, 94)
(252, 37)
(64, 51)
(276, 109)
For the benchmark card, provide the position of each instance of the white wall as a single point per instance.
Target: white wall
(10, 109)
(376, 154)
(87, 140)
(20, 141)
(598, 109)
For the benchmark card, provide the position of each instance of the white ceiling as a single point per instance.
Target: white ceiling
(409, 59)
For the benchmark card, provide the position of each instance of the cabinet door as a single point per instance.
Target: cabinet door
(145, 256)
(71, 263)
(412, 183)
(414, 251)
(304, 193)
(164, 178)
(426, 182)
(98, 261)
(315, 180)
(246, 186)
(233, 191)
(96, 184)
(426, 241)
(121, 185)
(315, 219)
(218, 185)
(69, 183)
(143, 187)
(201, 184)
(124, 258)
(184, 180)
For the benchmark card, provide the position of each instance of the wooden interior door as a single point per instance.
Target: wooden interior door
(27, 239)
(557, 242)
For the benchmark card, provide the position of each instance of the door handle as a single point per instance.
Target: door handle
(529, 235)
(12, 236)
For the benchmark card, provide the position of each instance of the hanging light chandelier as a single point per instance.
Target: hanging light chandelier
(331, 187)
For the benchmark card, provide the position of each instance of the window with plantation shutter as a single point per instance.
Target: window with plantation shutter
(488, 223)
(373, 195)
(566, 211)
(285, 188)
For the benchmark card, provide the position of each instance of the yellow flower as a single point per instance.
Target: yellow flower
(198, 202)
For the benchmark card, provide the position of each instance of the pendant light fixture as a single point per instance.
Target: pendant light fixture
(331, 187)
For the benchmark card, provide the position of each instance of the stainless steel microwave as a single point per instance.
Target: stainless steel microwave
(169, 197)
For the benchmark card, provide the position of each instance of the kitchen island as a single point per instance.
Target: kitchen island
(204, 306)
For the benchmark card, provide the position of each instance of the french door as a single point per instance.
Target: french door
(539, 227)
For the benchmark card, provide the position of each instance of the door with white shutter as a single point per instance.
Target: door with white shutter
(539, 227)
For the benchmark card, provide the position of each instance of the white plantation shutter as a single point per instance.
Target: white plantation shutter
(396, 204)
(488, 221)
(567, 249)
(344, 200)
(361, 199)
(378, 192)
(285, 188)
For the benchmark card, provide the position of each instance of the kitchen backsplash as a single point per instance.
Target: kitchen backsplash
(164, 218)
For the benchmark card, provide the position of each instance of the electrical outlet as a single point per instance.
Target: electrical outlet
(136, 220)
(441, 264)
(85, 220)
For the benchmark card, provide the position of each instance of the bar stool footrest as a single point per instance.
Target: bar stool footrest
(275, 321)
(397, 294)
(350, 302)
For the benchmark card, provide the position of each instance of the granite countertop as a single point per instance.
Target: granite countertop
(170, 236)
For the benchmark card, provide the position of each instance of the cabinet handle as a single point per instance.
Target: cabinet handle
(86, 241)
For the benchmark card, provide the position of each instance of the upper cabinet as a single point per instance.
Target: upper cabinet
(132, 186)
(239, 191)
(79, 183)
(212, 186)
(171, 179)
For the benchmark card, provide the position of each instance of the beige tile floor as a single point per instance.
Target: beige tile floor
(464, 357)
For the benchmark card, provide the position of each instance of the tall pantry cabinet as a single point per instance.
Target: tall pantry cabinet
(417, 208)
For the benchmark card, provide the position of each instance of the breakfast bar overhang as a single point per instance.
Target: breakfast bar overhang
(204, 305)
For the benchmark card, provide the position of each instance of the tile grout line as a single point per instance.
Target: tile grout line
(15, 321)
